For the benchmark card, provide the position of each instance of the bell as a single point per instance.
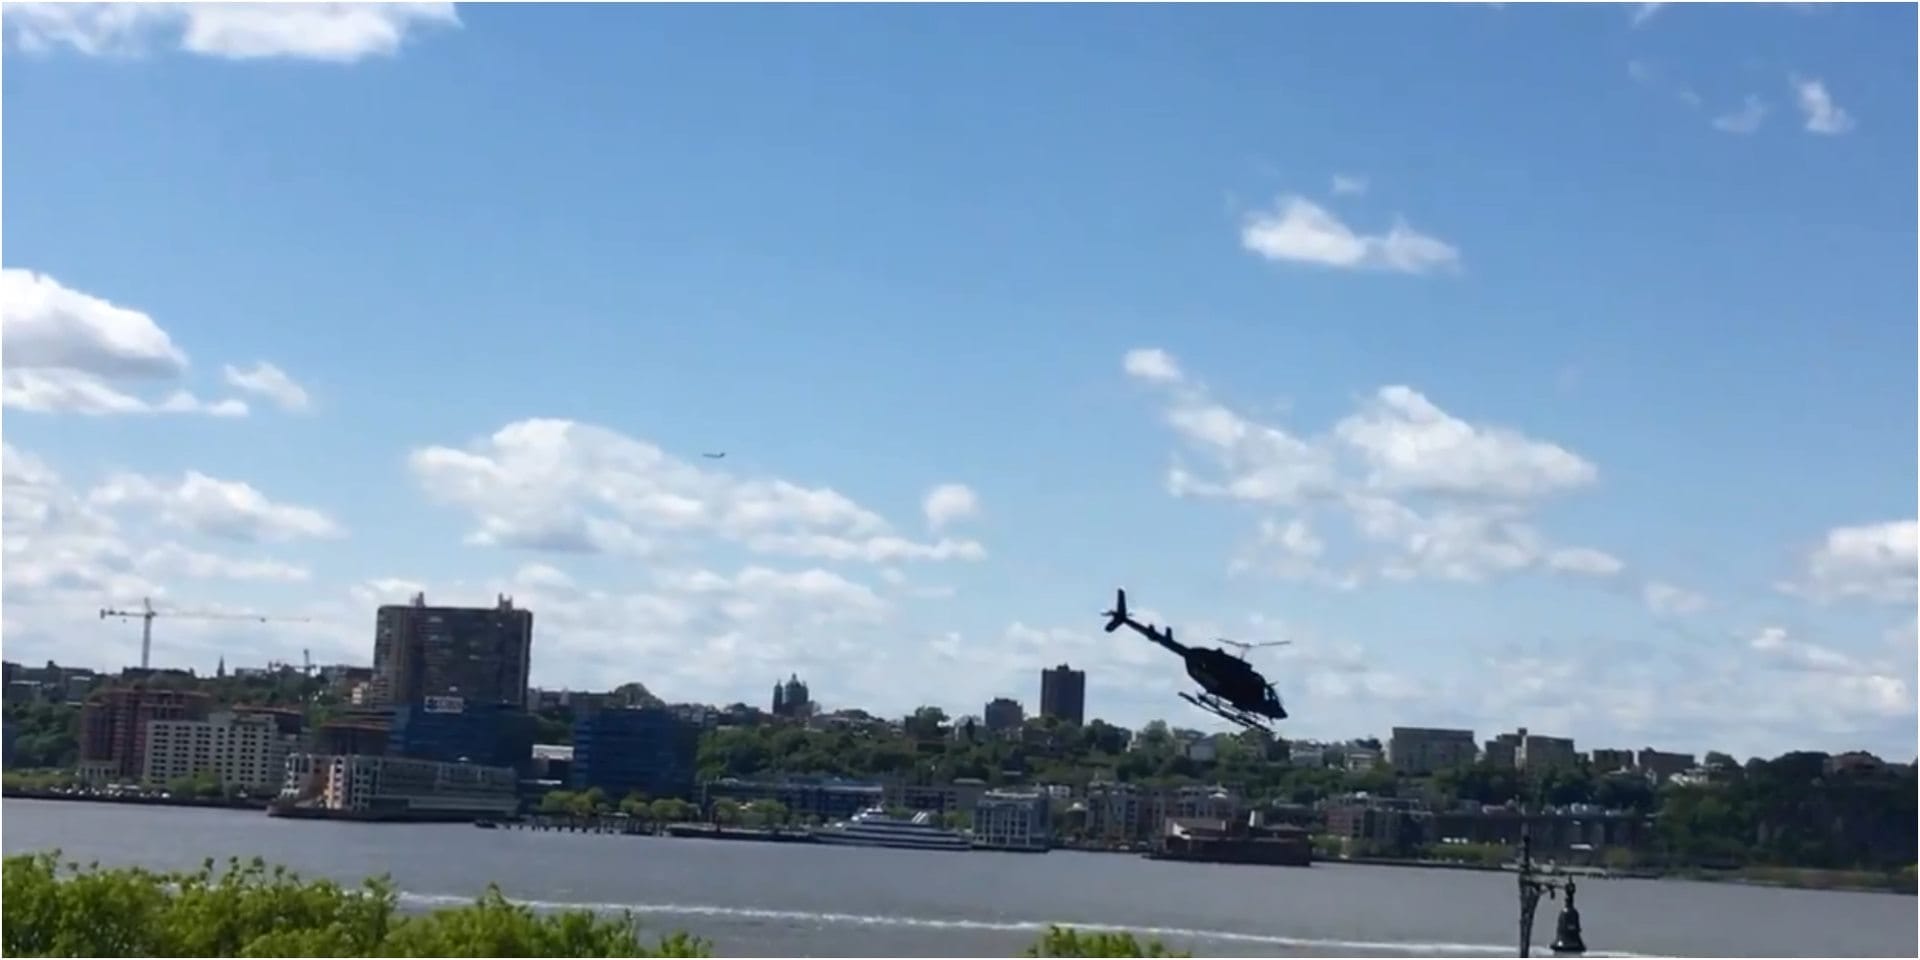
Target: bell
(1566, 935)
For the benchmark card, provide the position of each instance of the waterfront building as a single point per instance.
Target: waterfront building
(480, 654)
(959, 797)
(1582, 829)
(1419, 751)
(114, 724)
(398, 788)
(453, 730)
(1248, 841)
(649, 750)
(1063, 694)
(818, 798)
(1385, 824)
(552, 761)
(1004, 820)
(242, 750)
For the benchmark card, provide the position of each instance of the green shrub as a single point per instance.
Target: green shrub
(1068, 942)
(250, 910)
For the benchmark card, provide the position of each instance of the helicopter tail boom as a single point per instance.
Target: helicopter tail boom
(1117, 617)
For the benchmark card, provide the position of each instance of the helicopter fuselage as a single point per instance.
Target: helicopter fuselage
(1230, 686)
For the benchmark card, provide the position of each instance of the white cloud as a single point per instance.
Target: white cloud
(948, 503)
(1585, 560)
(331, 32)
(224, 509)
(1413, 445)
(1298, 230)
(200, 565)
(1874, 562)
(1427, 493)
(573, 487)
(66, 556)
(1823, 115)
(1152, 365)
(1753, 694)
(266, 380)
(1644, 12)
(71, 391)
(1747, 119)
(66, 351)
(47, 325)
(1348, 184)
(1667, 600)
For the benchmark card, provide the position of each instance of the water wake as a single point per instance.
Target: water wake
(1177, 936)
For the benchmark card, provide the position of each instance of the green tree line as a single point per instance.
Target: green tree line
(50, 909)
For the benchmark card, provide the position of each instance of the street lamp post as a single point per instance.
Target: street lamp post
(1567, 940)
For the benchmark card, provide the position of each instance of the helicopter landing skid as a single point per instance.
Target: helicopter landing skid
(1226, 711)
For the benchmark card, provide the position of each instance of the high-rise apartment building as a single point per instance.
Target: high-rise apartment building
(477, 654)
(1063, 694)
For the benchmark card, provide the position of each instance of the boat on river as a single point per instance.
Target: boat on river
(875, 827)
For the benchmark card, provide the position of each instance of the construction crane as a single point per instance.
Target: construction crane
(146, 613)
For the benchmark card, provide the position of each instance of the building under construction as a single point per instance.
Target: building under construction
(114, 725)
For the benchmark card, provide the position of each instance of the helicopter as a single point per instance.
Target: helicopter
(1230, 687)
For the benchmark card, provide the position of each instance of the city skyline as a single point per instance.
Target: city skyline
(1570, 390)
(1498, 747)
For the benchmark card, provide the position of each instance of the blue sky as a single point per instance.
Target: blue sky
(1524, 365)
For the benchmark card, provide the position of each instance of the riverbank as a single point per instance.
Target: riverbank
(138, 799)
(1803, 878)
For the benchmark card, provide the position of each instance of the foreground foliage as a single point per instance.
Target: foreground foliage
(1068, 942)
(252, 910)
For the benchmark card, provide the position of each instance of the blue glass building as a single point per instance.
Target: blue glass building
(447, 730)
(648, 750)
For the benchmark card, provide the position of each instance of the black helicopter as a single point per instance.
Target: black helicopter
(1229, 686)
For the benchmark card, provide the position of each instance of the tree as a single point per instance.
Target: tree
(726, 812)
(635, 805)
(201, 783)
(634, 693)
(671, 810)
(765, 813)
(45, 735)
(926, 723)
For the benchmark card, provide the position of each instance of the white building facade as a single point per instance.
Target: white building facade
(242, 750)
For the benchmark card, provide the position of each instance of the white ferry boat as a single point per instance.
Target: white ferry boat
(875, 828)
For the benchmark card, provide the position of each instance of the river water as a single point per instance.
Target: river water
(755, 899)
